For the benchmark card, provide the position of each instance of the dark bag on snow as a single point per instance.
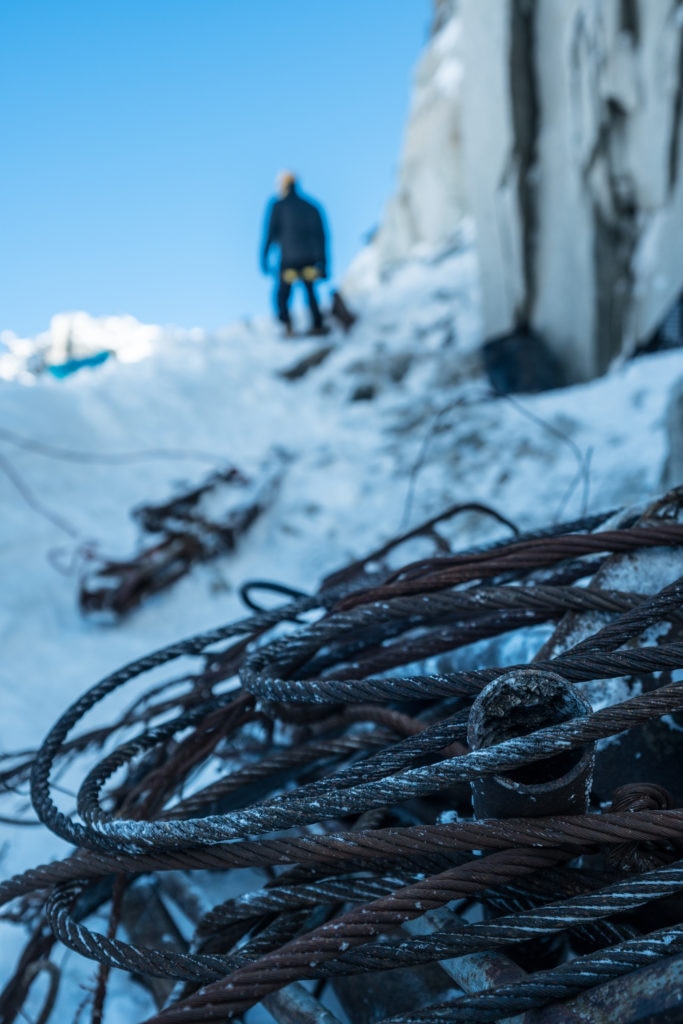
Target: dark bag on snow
(341, 312)
(521, 361)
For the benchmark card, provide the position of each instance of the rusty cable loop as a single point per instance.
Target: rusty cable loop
(305, 756)
(285, 812)
(578, 833)
(459, 881)
(598, 661)
(545, 987)
(447, 571)
(219, 1001)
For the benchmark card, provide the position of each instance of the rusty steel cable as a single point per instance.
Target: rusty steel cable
(408, 845)
(519, 556)
(541, 988)
(358, 569)
(287, 811)
(282, 753)
(221, 1002)
(368, 922)
(260, 672)
(629, 661)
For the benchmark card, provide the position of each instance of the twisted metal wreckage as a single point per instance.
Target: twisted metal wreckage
(465, 841)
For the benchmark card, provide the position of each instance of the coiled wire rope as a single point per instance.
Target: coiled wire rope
(312, 733)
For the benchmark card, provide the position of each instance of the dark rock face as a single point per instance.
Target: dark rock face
(443, 11)
(521, 362)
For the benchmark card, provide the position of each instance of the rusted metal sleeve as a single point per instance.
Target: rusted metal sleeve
(510, 706)
(294, 1005)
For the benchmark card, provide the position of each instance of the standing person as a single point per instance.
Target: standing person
(295, 225)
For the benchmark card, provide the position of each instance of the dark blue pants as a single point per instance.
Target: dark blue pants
(284, 293)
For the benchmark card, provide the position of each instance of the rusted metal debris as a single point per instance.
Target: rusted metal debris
(310, 361)
(513, 705)
(195, 526)
(442, 829)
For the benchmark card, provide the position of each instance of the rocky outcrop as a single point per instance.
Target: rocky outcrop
(424, 215)
(574, 173)
(558, 125)
(443, 12)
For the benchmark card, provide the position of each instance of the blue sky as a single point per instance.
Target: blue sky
(141, 139)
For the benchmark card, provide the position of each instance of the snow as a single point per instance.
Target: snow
(76, 455)
(75, 335)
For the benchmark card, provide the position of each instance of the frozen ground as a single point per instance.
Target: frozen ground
(394, 425)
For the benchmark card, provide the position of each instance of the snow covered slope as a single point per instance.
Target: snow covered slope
(394, 424)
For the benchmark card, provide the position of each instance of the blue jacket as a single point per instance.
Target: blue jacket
(296, 226)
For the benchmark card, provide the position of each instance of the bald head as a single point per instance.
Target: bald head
(286, 181)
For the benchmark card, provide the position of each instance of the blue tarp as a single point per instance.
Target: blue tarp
(73, 365)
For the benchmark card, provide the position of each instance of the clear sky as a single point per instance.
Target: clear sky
(141, 138)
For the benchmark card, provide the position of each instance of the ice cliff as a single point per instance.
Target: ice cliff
(557, 127)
